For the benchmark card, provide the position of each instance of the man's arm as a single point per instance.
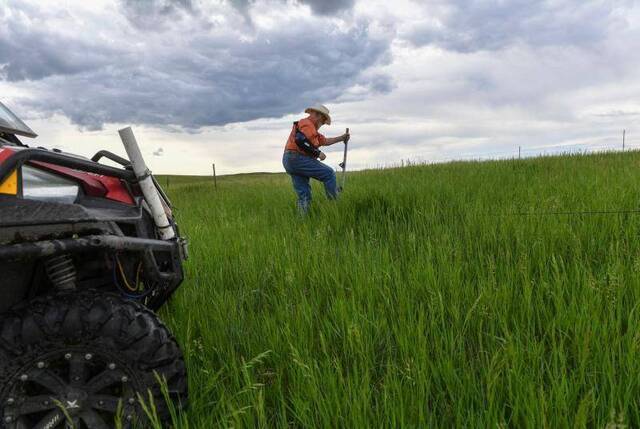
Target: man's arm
(334, 140)
(318, 139)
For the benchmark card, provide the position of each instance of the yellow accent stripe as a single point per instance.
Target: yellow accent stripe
(10, 184)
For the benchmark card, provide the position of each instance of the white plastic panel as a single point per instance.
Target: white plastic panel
(43, 186)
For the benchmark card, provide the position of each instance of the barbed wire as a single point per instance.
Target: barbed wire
(629, 145)
(571, 213)
(632, 143)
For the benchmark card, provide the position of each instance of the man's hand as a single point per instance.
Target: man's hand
(345, 137)
(322, 156)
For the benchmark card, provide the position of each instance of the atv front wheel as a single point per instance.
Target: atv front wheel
(85, 359)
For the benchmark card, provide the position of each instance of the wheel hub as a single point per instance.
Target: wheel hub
(81, 389)
(75, 401)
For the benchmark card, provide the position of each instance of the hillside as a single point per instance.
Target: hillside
(429, 296)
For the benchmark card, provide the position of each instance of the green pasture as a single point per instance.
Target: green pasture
(428, 296)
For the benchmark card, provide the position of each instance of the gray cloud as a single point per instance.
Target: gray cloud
(320, 7)
(27, 50)
(533, 74)
(156, 14)
(158, 7)
(328, 7)
(191, 75)
(153, 13)
(473, 25)
(618, 114)
(158, 152)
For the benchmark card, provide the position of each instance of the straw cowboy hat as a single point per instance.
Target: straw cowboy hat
(322, 109)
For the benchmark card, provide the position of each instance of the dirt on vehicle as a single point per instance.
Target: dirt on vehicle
(85, 260)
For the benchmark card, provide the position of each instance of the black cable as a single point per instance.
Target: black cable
(570, 213)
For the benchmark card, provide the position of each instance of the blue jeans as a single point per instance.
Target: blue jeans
(301, 168)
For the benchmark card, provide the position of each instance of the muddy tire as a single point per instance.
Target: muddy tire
(85, 357)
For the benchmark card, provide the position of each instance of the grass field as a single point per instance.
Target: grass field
(418, 300)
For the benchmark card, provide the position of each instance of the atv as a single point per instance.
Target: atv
(88, 251)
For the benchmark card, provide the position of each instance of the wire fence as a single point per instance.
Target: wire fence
(624, 143)
(594, 146)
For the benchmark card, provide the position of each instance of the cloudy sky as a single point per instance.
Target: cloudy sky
(221, 81)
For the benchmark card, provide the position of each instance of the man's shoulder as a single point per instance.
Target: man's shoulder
(306, 122)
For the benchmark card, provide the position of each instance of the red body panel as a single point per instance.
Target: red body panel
(5, 153)
(95, 185)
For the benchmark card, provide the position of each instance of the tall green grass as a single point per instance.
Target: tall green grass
(417, 300)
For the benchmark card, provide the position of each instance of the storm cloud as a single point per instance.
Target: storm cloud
(329, 7)
(473, 25)
(420, 79)
(153, 14)
(29, 50)
(320, 7)
(200, 70)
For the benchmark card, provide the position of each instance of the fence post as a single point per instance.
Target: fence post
(519, 152)
(624, 135)
(215, 179)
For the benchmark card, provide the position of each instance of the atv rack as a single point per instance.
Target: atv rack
(43, 155)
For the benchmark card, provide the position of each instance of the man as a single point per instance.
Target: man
(302, 152)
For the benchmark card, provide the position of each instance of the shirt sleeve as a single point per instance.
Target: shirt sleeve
(316, 139)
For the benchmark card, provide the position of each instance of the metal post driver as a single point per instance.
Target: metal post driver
(343, 164)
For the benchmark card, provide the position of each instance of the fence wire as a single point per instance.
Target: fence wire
(595, 146)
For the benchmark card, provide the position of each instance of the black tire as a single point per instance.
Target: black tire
(90, 351)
